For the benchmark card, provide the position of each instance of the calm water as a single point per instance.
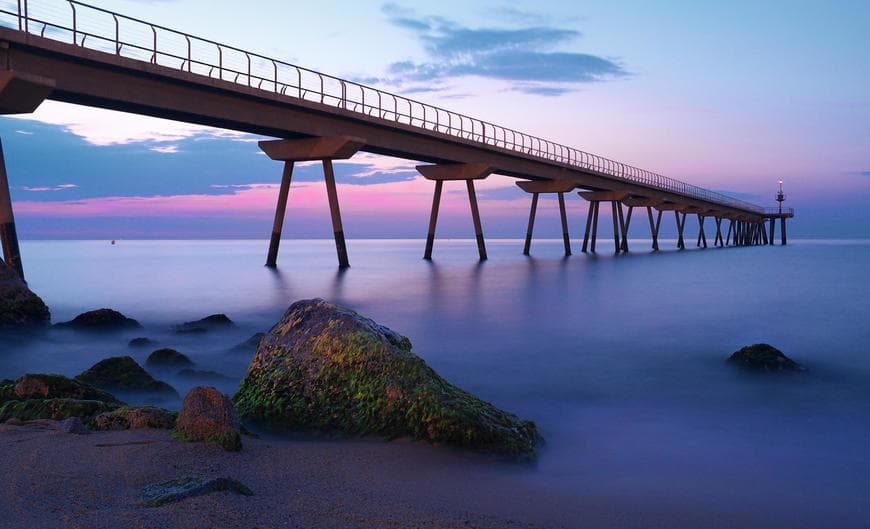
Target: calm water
(620, 360)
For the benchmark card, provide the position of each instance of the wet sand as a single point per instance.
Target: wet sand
(54, 479)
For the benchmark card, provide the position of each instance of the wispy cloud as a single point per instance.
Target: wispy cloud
(26, 133)
(529, 57)
(60, 187)
(164, 149)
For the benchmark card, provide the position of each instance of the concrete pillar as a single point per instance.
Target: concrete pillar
(8, 234)
(323, 149)
(566, 239)
(559, 187)
(280, 209)
(469, 172)
(784, 239)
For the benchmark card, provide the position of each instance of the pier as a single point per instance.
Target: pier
(69, 51)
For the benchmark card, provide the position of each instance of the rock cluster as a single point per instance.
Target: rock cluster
(122, 373)
(19, 307)
(100, 320)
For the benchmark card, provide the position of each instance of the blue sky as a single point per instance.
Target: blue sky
(730, 96)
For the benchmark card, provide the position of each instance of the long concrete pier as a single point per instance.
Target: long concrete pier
(73, 52)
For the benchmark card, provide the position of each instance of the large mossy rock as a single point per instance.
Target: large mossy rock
(122, 373)
(765, 358)
(100, 320)
(324, 367)
(19, 307)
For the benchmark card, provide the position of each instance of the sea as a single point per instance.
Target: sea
(619, 359)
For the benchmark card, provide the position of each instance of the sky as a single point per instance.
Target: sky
(731, 96)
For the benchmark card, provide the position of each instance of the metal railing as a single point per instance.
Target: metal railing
(776, 211)
(96, 28)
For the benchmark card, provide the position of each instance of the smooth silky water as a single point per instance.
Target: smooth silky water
(619, 359)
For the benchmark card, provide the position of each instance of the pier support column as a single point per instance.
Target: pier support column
(718, 241)
(324, 150)
(559, 187)
(681, 244)
(702, 237)
(8, 235)
(615, 198)
(591, 226)
(654, 227)
(469, 172)
(730, 231)
(784, 237)
(625, 223)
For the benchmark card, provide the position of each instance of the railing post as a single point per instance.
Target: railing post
(74, 32)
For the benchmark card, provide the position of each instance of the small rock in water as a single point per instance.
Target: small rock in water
(178, 489)
(167, 358)
(101, 320)
(122, 373)
(249, 345)
(73, 425)
(19, 307)
(764, 357)
(215, 321)
(141, 342)
(208, 415)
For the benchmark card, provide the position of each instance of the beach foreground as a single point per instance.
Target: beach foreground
(56, 479)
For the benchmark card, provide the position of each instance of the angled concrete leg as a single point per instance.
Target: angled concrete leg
(433, 220)
(565, 237)
(475, 216)
(616, 228)
(596, 205)
(8, 234)
(588, 226)
(338, 230)
(625, 224)
(531, 227)
(280, 209)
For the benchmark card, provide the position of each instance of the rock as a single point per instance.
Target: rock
(141, 342)
(135, 417)
(44, 386)
(178, 489)
(101, 320)
(122, 373)
(202, 376)
(764, 357)
(208, 415)
(19, 307)
(215, 321)
(167, 358)
(249, 345)
(73, 425)
(56, 409)
(325, 367)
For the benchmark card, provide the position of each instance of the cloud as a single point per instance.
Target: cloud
(60, 187)
(26, 133)
(528, 57)
(165, 149)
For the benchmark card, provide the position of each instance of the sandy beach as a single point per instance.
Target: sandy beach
(53, 479)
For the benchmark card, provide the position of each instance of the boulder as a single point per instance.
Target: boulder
(168, 358)
(208, 415)
(141, 342)
(135, 417)
(178, 489)
(765, 358)
(100, 320)
(19, 307)
(326, 368)
(56, 409)
(215, 321)
(249, 345)
(122, 373)
(47, 386)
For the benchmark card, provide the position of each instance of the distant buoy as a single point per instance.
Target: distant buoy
(113, 242)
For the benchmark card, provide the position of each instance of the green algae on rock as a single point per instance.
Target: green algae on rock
(19, 307)
(50, 386)
(56, 409)
(135, 417)
(326, 368)
(764, 357)
(122, 373)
